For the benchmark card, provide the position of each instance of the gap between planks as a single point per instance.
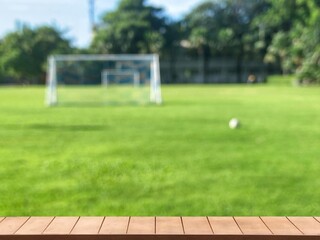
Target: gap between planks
(160, 225)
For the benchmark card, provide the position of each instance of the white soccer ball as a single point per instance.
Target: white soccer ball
(234, 123)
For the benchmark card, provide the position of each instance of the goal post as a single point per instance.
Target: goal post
(103, 79)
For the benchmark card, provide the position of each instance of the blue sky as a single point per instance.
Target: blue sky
(70, 15)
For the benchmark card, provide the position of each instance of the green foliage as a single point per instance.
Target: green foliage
(279, 51)
(133, 27)
(223, 26)
(310, 44)
(23, 53)
(285, 33)
(177, 159)
(310, 69)
(293, 27)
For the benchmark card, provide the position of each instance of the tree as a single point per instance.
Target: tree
(309, 70)
(133, 27)
(293, 33)
(23, 53)
(222, 28)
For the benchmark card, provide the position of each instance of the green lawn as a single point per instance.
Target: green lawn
(177, 159)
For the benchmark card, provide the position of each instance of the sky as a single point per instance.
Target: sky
(71, 15)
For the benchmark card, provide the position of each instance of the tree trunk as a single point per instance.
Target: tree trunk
(239, 64)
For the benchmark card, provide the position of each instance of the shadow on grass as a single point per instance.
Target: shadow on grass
(102, 105)
(55, 127)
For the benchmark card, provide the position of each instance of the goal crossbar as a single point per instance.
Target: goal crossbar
(105, 57)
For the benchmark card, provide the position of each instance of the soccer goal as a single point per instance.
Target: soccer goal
(103, 79)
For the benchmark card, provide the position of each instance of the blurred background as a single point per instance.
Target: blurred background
(198, 42)
(257, 61)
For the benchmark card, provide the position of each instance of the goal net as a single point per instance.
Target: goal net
(103, 79)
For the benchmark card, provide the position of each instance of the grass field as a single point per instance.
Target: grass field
(111, 95)
(177, 159)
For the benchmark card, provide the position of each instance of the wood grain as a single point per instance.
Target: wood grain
(34, 226)
(252, 225)
(114, 225)
(141, 225)
(87, 225)
(307, 225)
(11, 224)
(224, 225)
(169, 225)
(61, 225)
(159, 228)
(196, 225)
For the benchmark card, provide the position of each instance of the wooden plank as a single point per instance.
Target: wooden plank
(307, 225)
(34, 226)
(252, 225)
(141, 225)
(280, 226)
(61, 225)
(87, 225)
(196, 225)
(11, 224)
(224, 225)
(114, 225)
(163, 227)
(169, 225)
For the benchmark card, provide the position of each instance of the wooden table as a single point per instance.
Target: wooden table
(160, 228)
